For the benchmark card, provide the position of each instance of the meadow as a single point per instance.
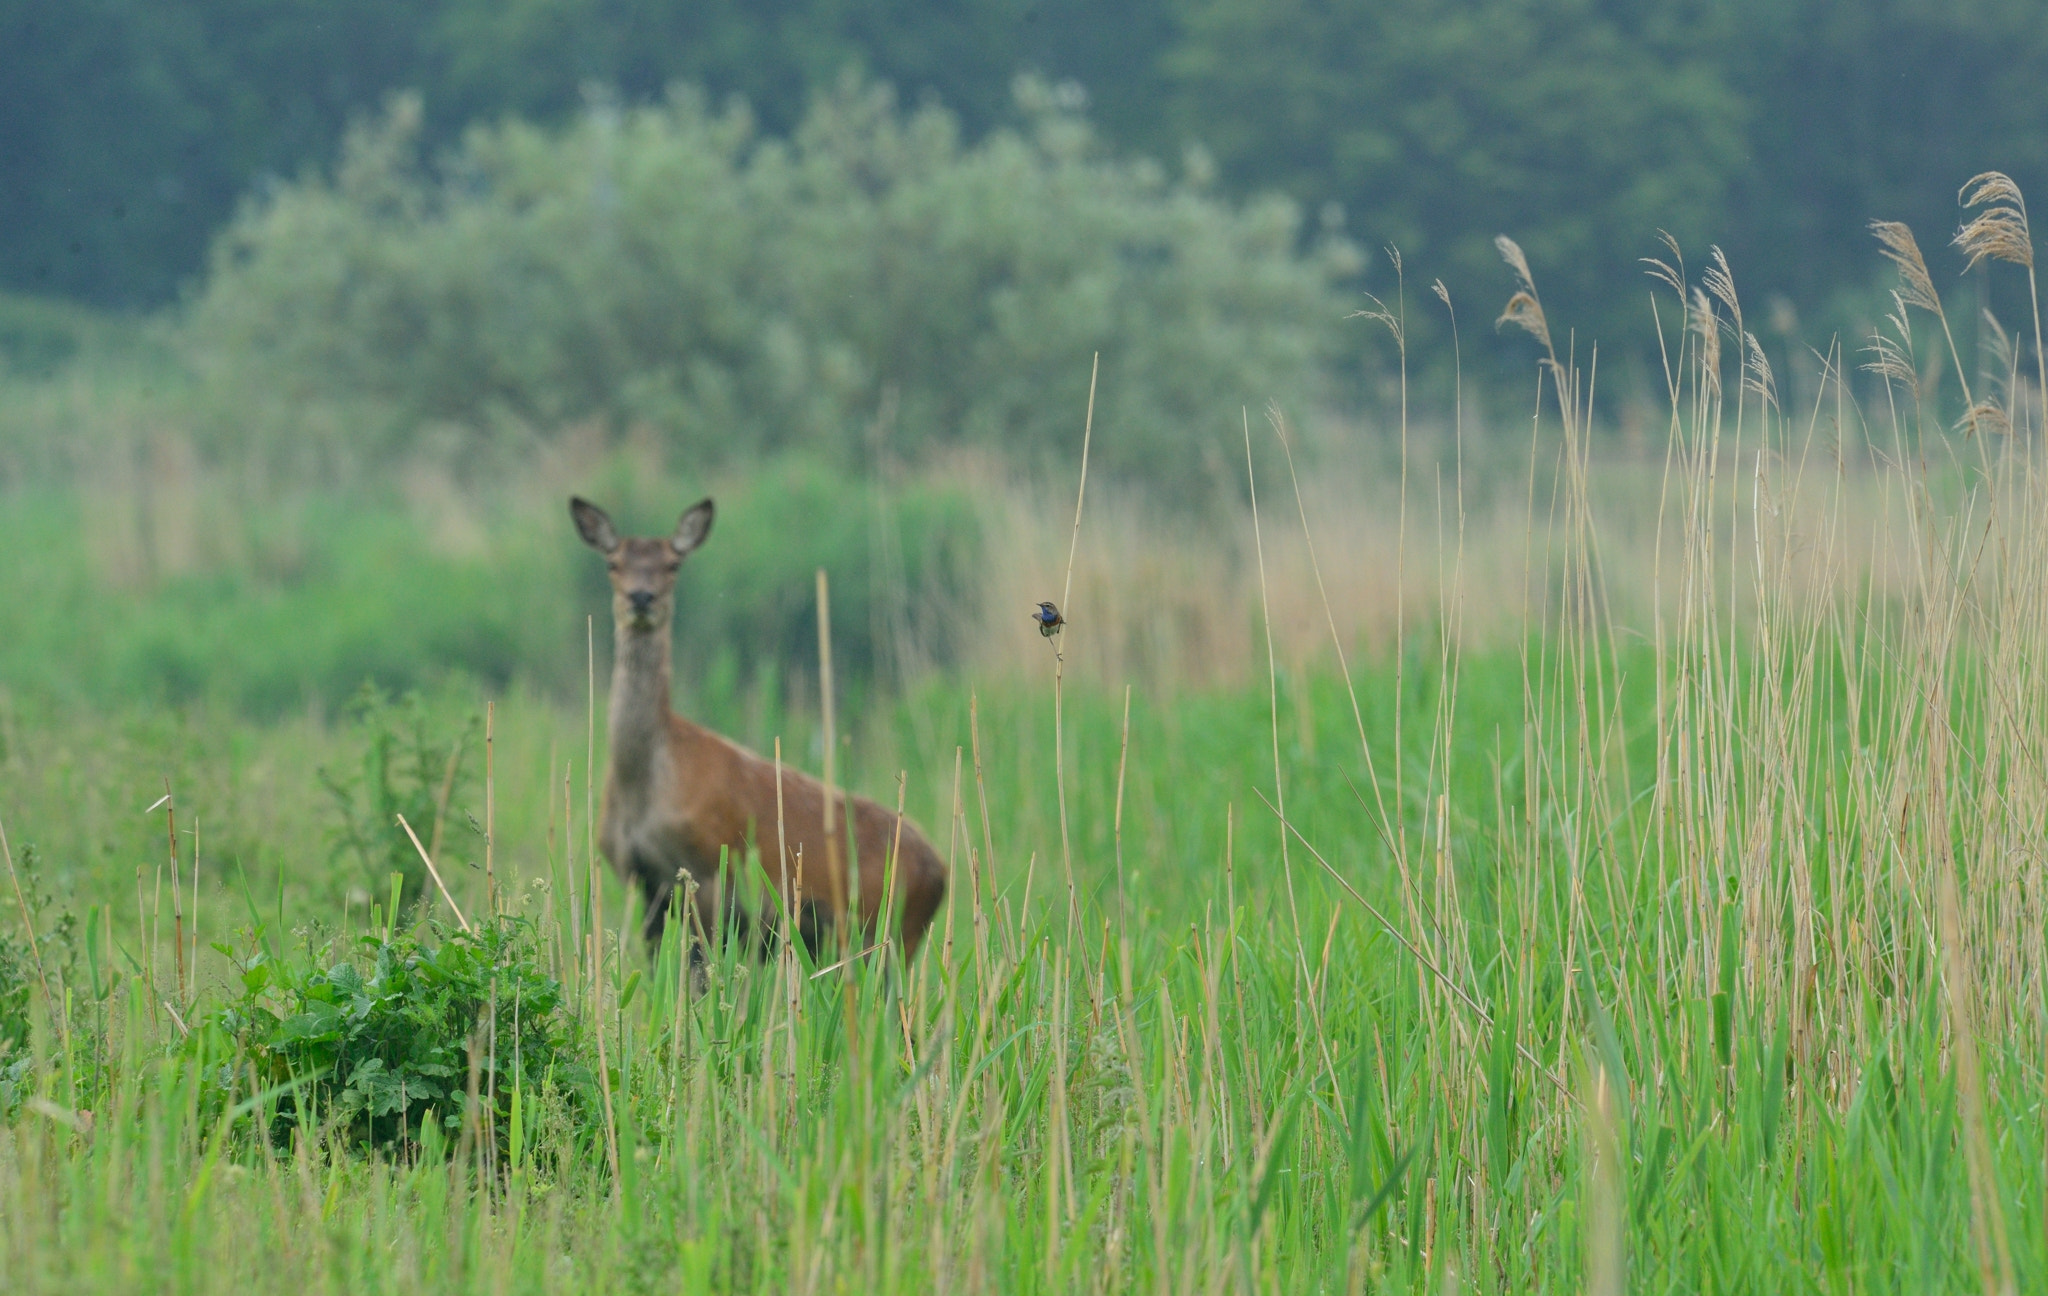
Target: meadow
(1629, 880)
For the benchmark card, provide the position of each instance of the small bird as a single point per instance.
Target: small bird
(1049, 619)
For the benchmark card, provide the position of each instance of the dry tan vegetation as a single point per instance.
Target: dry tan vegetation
(1169, 602)
(1168, 597)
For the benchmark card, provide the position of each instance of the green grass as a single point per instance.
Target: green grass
(1188, 1089)
(1707, 952)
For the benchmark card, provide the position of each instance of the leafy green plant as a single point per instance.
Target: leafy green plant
(379, 1037)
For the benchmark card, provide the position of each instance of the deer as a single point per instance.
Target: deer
(682, 802)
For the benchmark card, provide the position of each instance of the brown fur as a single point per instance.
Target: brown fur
(677, 794)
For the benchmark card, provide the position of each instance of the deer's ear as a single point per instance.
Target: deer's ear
(593, 524)
(691, 530)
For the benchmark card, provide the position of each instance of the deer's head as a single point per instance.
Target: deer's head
(643, 570)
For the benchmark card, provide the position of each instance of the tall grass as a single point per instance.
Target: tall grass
(1692, 936)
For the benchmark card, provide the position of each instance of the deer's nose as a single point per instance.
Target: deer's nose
(641, 600)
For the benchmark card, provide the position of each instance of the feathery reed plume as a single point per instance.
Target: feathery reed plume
(1379, 314)
(1988, 416)
(1992, 412)
(2001, 373)
(1720, 281)
(1525, 309)
(2004, 355)
(1511, 252)
(1892, 358)
(1671, 272)
(1916, 288)
(1705, 323)
(1902, 322)
(2001, 232)
(1756, 372)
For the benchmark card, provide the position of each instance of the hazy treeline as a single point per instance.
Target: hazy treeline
(1774, 127)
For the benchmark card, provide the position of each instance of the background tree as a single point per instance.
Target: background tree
(130, 130)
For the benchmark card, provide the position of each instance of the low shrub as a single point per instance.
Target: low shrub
(374, 1038)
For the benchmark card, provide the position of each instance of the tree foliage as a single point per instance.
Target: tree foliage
(128, 131)
(869, 284)
(1439, 125)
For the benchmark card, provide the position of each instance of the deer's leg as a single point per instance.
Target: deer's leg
(717, 917)
(655, 921)
(657, 887)
(814, 926)
(735, 925)
(811, 920)
(923, 888)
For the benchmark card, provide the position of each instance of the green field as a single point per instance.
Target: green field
(1522, 804)
(1651, 899)
(1701, 958)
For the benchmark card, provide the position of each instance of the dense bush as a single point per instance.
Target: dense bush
(870, 285)
(377, 1044)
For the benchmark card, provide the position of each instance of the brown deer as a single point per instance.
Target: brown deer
(678, 796)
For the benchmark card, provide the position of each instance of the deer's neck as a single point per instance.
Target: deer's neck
(640, 699)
